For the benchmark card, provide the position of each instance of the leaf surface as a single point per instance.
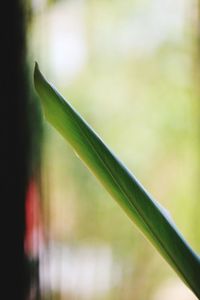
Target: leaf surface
(151, 218)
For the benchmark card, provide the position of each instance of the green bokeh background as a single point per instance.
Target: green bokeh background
(131, 68)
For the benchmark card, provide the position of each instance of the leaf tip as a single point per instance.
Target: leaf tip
(37, 76)
(36, 70)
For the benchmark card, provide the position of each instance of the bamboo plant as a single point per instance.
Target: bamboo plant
(151, 218)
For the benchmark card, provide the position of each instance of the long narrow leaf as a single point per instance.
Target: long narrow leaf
(142, 209)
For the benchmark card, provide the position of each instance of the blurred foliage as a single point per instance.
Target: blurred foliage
(128, 67)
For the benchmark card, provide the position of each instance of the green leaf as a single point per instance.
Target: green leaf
(141, 208)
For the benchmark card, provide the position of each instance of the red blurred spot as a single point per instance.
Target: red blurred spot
(33, 236)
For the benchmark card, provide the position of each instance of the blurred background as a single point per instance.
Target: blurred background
(131, 68)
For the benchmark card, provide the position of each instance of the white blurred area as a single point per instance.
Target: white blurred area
(60, 35)
(64, 44)
(79, 271)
